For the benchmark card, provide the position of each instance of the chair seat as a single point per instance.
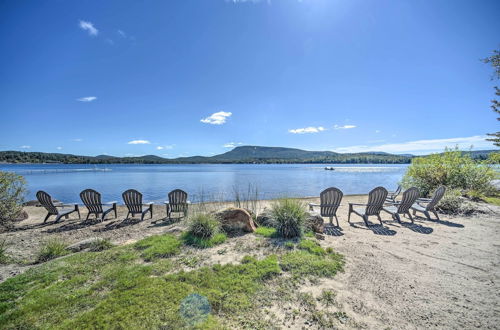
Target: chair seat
(360, 210)
(66, 210)
(391, 209)
(418, 207)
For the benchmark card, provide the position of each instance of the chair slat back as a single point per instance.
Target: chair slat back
(92, 200)
(376, 199)
(46, 201)
(133, 200)
(330, 201)
(177, 200)
(408, 199)
(436, 198)
(398, 190)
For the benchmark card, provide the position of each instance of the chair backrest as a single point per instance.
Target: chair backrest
(46, 201)
(133, 200)
(408, 199)
(177, 199)
(398, 190)
(330, 201)
(92, 200)
(438, 194)
(376, 199)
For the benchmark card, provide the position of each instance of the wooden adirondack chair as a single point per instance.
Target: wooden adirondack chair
(329, 203)
(376, 199)
(133, 201)
(177, 203)
(92, 200)
(426, 205)
(65, 210)
(403, 206)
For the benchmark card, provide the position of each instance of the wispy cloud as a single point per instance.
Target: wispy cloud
(167, 147)
(59, 148)
(423, 146)
(344, 127)
(217, 118)
(87, 99)
(306, 130)
(232, 144)
(121, 33)
(377, 131)
(89, 27)
(77, 140)
(25, 147)
(139, 142)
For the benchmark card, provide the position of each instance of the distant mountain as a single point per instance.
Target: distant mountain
(243, 154)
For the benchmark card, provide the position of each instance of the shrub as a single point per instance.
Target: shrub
(52, 249)
(453, 203)
(159, 246)
(454, 169)
(4, 258)
(290, 216)
(100, 245)
(12, 189)
(204, 231)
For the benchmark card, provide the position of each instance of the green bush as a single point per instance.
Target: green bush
(204, 231)
(52, 249)
(290, 216)
(12, 189)
(453, 169)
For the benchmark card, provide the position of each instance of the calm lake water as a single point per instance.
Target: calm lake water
(203, 182)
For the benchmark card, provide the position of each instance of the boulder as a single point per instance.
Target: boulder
(85, 244)
(265, 218)
(236, 219)
(315, 222)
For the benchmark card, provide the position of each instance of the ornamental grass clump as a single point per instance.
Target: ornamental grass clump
(290, 216)
(204, 231)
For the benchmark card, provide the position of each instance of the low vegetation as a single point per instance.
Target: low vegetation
(266, 231)
(12, 190)
(115, 286)
(4, 257)
(51, 249)
(204, 231)
(289, 216)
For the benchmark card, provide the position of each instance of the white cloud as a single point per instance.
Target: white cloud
(309, 129)
(423, 146)
(344, 127)
(377, 131)
(121, 33)
(217, 118)
(59, 148)
(168, 147)
(139, 142)
(89, 27)
(77, 140)
(25, 147)
(87, 99)
(232, 144)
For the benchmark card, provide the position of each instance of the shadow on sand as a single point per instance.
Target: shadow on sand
(332, 230)
(377, 229)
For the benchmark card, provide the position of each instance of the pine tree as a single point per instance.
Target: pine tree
(494, 60)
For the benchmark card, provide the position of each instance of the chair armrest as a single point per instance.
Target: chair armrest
(424, 199)
(65, 205)
(360, 204)
(149, 203)
(110, 203)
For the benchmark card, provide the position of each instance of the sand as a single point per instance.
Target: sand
(441, 274)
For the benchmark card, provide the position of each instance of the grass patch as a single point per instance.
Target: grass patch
(266, 231)
(159, 246)
(113, 288)
(492, 200)
(290, 215)
(311, 246)
(203, 243)
(4, 257)
(52, 249)
(100, 245)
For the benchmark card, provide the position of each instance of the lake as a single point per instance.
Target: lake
(207, 182)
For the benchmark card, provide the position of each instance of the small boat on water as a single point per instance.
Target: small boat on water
(329, 168)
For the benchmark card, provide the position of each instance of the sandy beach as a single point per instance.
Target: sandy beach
(441, 274)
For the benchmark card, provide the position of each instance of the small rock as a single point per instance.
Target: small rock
(85, 244)
(320, 236)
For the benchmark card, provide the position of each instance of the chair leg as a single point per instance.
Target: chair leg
(349, 215)
(437, 216)
(414, 212)
(365, 219)
(337, 220)
(379, 219)
(151, 211)
(397, 217)
(59, 218)
(88, 215)
(427, 215)
(47, 217)
(114, 208)
(331, 220)
(411, 218)
(128, 213)
(77, 209)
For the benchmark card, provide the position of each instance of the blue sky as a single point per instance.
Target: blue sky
(186, 77)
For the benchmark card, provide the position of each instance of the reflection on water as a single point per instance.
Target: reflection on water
(204, 181)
